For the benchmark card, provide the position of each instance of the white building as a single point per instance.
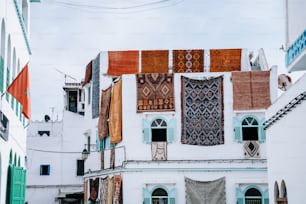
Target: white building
(54, 151)
(285, 123)
(14, 55)
(149, 163)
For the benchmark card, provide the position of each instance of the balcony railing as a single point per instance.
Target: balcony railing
(296, 48)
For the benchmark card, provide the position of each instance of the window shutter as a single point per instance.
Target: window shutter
(237, 129)
(172, 196)
(98, 144)
(171, 131)
(146, 131)
(146, 196)
(266, 197)
(239, 196)
(261, 130)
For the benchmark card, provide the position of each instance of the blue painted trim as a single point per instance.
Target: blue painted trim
(159, 169)
(23, 28)
(296, 48)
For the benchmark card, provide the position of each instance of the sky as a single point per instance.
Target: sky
(66, 34)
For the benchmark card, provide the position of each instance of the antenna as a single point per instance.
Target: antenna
(65, 75)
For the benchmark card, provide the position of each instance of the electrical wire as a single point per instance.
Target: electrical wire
(56, 152)
(120, 9)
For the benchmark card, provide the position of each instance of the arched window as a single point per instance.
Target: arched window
(253, 196)
(25, 13)
(159, 130)
(8, 79)
(276, 191)
(159, 196)
(249, 129)
(2, 55)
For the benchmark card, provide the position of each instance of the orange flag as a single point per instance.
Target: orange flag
(19, 89)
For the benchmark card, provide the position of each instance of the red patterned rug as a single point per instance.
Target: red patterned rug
(188, 61)
(155, 92)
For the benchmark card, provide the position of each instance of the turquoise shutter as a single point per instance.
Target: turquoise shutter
(266, 197)
(146, 196)
(172, 196)
(97, 143)
(239, 196)
(261, 130)
(146, 131)
(237, 129)
(171, 131)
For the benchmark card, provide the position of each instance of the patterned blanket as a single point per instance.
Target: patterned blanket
(188, 61)
(155, 92)
(202, 111)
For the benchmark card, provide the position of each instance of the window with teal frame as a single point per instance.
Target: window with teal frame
(158, 129)
(16, 183)
(252, 195)
(249, 128)
(159, 195)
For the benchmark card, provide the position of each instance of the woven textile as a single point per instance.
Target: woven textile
(85, 191)
(95, 86)
(94, 189)
(104, 113)
(123, 62)
(155, 92)
(110, 190)
(117, 189)
(225, 60)
(202, 111)
(104, 191)
(251, 90)
(205, 192)
(88, 73)
(115, 114)
(188, 61)
(155, 61)
(159, 150)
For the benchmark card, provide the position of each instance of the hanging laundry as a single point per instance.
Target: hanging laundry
(155, 61)
(104, 191)
(88, 73)
(225, 60)
(155, 92)
(95, 86)
(123, 62)
(202, 111)
(104, 113)
(205, 192)
(110, 190)
(188, 61)
(117, 189)
(115, 113)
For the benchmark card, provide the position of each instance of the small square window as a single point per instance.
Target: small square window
(159, 135)
(44, 170)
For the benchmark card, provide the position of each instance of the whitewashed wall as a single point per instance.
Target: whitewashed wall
(286, 143)
(60, 150)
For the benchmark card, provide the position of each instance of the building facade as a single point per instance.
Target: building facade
(284, 125)
(54, 152)
(166, 135)
(14, 55)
